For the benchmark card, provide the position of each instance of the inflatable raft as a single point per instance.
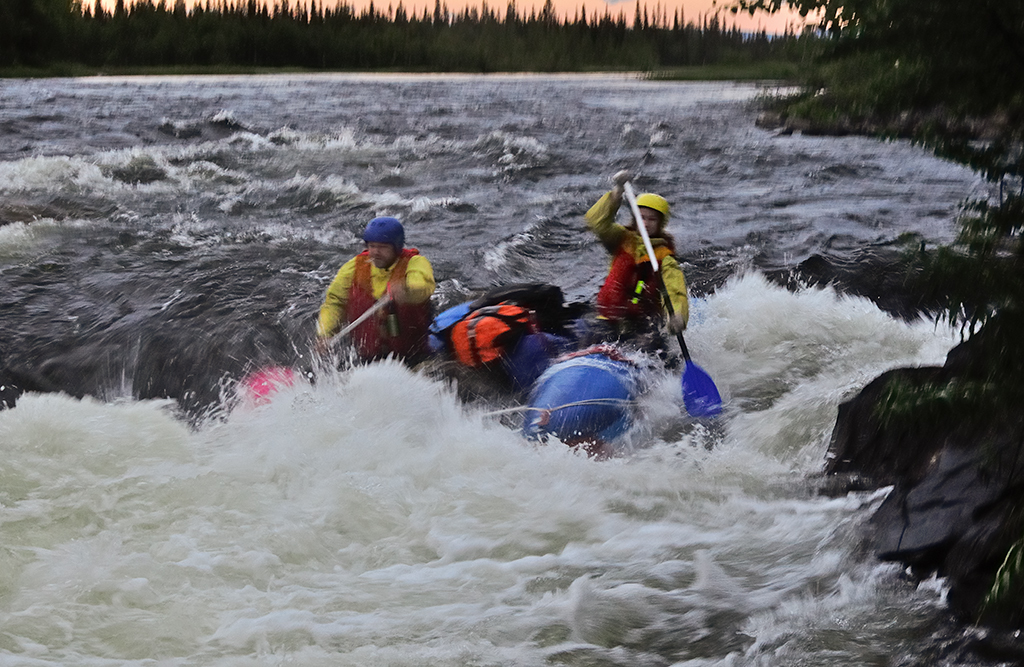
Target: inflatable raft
(588, 397)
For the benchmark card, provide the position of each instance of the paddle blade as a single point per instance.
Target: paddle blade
(700, 395)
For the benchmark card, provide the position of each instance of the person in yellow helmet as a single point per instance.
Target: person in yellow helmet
(631, 298)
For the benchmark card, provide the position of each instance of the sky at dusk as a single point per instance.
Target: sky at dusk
(692, 10)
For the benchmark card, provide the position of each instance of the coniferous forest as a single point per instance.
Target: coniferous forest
(323, 36)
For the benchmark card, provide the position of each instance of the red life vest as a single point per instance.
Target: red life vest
(398, 328)
(488, 333)
(632, 289)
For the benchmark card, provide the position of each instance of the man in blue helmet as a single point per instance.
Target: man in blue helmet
(386, 269)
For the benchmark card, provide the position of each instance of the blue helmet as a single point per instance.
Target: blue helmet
(385, 230)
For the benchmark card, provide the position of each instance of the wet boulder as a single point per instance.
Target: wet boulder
(956, 482)
(140, 170)
(884, 273)
(16, 381)
(9, 391)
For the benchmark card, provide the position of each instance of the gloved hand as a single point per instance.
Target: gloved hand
(676, 324)
(620, 177)
(398, 292)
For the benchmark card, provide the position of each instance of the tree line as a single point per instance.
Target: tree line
(258, 34)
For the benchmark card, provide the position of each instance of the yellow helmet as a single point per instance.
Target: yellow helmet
(657, 202)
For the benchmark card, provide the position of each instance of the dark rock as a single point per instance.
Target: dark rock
(884, 274)
(957, 481)
(907, 124)
(180, 131)
(919, 525)
(395, 181)
(149, 354)
(9, 391)
(862, 445)
(140, 170)
(16, 381)
(1005, 647)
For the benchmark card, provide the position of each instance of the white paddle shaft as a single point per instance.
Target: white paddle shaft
(641, 227)
(380, 303)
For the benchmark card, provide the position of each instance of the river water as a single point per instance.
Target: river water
(160, 236)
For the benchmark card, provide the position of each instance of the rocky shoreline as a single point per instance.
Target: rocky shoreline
(956, 487)
(906, 125)
(957, 482)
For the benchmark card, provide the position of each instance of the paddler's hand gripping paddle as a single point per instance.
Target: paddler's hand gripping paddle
(700, 395)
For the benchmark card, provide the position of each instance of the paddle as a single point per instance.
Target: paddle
(377, 305)
(699, 391)
(258, 386)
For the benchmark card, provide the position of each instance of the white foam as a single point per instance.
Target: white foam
(373, 519)
(57, 173)
(16, 237)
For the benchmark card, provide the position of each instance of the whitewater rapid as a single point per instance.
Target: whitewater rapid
(373, 519)
(159, 237)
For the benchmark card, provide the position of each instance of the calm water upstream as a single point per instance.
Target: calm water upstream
(164, 234)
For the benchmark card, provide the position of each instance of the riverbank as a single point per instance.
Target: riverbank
(817, 115)
(759, 71)
(947, 439)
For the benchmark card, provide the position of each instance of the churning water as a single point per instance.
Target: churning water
(165, 234)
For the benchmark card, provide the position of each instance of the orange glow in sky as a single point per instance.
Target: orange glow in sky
(693, 11)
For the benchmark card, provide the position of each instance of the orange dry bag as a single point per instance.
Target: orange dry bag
(487, 333)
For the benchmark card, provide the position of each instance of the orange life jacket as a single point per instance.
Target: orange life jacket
(399, 329)
(632, 289)
(488, 333)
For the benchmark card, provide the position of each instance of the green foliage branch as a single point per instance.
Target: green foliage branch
(949, 75)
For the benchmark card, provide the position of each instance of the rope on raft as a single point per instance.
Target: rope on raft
(589, 401)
